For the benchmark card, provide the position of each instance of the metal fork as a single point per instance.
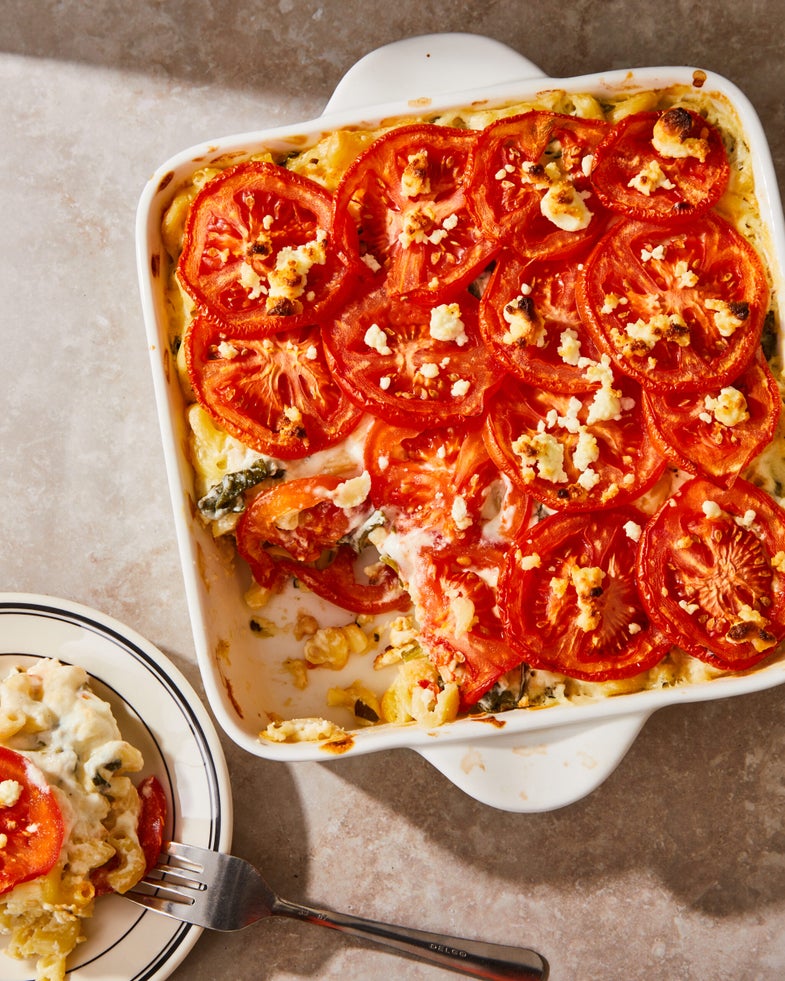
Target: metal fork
(223, 892)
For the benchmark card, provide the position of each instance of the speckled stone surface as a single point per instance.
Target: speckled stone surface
(675, 867)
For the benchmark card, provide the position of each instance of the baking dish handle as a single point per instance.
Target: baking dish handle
(537, 771)
(428, 66)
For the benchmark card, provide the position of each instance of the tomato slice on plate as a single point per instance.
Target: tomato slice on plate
(30, 821)
(406, 194)
(149, 831)
(570, 598)
(530, 188)
(661, 166)
(262, 252)
(677, 308)
(276, 394)
(441, 480)
(573, 453)
(412, 364)
(530, 322)
(719, 433)
(454, 590)
(152, 819)
(711, 569)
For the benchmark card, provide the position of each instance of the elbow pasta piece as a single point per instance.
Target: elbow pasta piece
(332, 646)
(416, 695)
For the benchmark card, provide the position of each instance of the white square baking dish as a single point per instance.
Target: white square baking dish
(521, 760)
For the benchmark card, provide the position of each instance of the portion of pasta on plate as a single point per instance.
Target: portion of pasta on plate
(73, 825)
(502, 384)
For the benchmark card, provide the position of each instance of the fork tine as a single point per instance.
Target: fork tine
(175, 884)
(172, 874)
(198, 858)
(207, 888)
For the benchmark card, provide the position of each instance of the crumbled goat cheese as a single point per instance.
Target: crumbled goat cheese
(650, 178)
(415, 179)
(446, 324)
(670, 136)
(541, 454)
(460, 513)
(353, 492)
(376, 339)
(564, 206)
(729, 407)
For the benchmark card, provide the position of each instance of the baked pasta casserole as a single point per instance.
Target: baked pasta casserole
(502, 384)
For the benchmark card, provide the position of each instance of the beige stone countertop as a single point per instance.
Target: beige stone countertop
(674, 868)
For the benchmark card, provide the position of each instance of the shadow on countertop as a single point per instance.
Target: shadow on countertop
(305, 47)
(696, 800)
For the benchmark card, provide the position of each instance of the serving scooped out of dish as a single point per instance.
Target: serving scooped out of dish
(470, 403)
(71, 679)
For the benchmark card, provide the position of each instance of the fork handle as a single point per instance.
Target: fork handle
(474, 958)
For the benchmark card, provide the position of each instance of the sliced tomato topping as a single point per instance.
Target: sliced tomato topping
(406, 194)
(295, 529)
(300, 516)
(530, 322)
(661, 166)
(349, 581)
(712, 575)
(274, 393)
(530, 186)
(454, 589)
(31, 822)
(441, 480)
(573, 453)
(412, 364)
(676, 308)
(262, 251)
(570, 599)
(717, 434)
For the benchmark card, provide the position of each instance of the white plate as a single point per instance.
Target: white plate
(159, 712)
(520, 760)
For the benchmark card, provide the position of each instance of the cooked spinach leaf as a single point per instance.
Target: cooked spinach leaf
(226, 497)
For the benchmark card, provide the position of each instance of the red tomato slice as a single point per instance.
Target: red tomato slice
(32, 825)
(420, 365)
(295, 529)
(530, 187)
(719, 433)
(349, 582)
(530, 322)
(274, 393)
(456, 604)
(262, 252)
(661, 166)
(554, 448)
(298, 515)
(677, 308)
(406, 194)
(440, 480)
(570, 599)
(152, 819)
(711, 572)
